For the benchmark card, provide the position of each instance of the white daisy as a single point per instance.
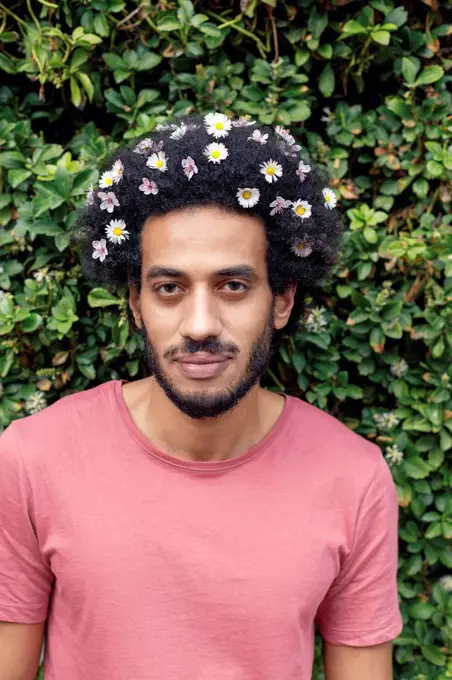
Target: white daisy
(108, 201)
(117, 171)
(301, 249)
(257, 136)
(90, 195)
(179, 132)
(148, 187)
(271, 171)
(116, 231)
(189, 166)
(107, 180)
(158, 161)
(216, 152)
(330, 198)
(278, 205)
(393, 455)
(100, 249)
(147, 145)
(285, 134)
(303, 170)
(217, 124)
(248, 197)
(243, 122)
(302, 209)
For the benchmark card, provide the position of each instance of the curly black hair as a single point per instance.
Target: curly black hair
(301, 248)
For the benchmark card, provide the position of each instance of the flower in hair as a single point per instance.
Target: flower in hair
(216, 152)
(158, 161)
(285, 134)
(330, 198)
(271, 171)
(108, 201)
(90, 195)
(290, 149)
(116, 231)
(117, 171)
(301, 249)
(303, 170)
(257, 136)
(243, 122)
(278, 205)
(189, 166)
(179, 132)
(100, 249)
(217, 124)
(147, 145)
(248, 197)
(302, 209)
(148, 187)
(107, 180)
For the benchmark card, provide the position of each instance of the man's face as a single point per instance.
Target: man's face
(205, 309)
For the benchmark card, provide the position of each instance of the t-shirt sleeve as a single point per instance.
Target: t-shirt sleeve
(361, 607)
(25, 577)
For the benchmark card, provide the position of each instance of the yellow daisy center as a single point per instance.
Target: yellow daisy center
(159, 164)
(108, 181)
(300, 210)
(246, 195)
(300, 245)
(219, 125)
(271, 170)
(328, 197)
(117, 231)
(216, 154)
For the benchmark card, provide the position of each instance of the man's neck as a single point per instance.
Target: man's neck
(210, 439)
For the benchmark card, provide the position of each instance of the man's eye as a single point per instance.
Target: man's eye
(167, 288)
(236, 286)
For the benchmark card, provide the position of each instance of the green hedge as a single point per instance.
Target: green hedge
(364, 86)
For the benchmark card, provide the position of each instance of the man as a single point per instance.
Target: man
(192, 524)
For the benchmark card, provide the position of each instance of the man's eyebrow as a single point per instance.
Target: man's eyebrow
(238, 270)
(155, 272)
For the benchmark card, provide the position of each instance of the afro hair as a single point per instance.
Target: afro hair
(303, 244)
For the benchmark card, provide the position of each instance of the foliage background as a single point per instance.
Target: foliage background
(365, 87)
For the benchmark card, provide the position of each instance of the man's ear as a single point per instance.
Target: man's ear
(282, 306)
(134, 304)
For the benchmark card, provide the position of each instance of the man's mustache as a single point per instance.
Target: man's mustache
(209, 345)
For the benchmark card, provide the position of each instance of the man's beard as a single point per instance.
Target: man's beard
(199, 405)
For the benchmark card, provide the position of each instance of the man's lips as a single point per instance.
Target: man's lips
(202, 365)
(202, 358)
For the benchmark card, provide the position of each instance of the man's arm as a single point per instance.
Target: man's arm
(20, 650)
(358, 663)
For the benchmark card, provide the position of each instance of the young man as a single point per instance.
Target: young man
(192, 524)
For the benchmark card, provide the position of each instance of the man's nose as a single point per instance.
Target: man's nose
(201, 316)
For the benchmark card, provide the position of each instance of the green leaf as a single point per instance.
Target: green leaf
(325, 51)
(421, 611)
(352, 27)
(416, 468)
(410, 68)
(18, 175)
(327, 81)
(78, 58)
(397, 16)
(76, 95)
(44, 228)
(7, 64)
(370, 235)
(148, 61)
(99, 297)
(87, 85)
(12, 159)
(381, 37)
(169, 23)
(31, 323)
(429, 75)
(114, 61)
(433, 654)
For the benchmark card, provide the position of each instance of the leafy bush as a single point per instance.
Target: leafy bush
(365, 89)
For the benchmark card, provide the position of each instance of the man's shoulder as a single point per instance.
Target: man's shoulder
(60, 422)
(326, 439)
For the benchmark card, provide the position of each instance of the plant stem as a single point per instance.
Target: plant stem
(33, 16)
(277, 382)
(14, 16)
(260, 44)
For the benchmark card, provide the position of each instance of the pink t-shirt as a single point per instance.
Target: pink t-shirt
(150, 567)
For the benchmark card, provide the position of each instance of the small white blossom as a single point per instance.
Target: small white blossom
(179, 132)
(285, 134)
(302, 209)
(117, 171)
(301, 249)
(42, 275)
(243, 122)
(35, 402)
(446, 583)
(399, 368)
(216, 152)
(90, 195)
(147, 145)
(100, 251)
(257, 136)
(386, 421)
(315, 320)
(271, 171)
(393, 455)
(217, 124)
(303, 170)
(248, 197)
(158, 161)
(116, 231)
(330, 198)
(107, 180)
(189, 166)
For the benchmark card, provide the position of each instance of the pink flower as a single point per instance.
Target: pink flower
(189, 166)
(148, 187)
(257, 136)
(100, 249)
(278, 205)
(90, 195)
(109, 201)
(302, 171)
